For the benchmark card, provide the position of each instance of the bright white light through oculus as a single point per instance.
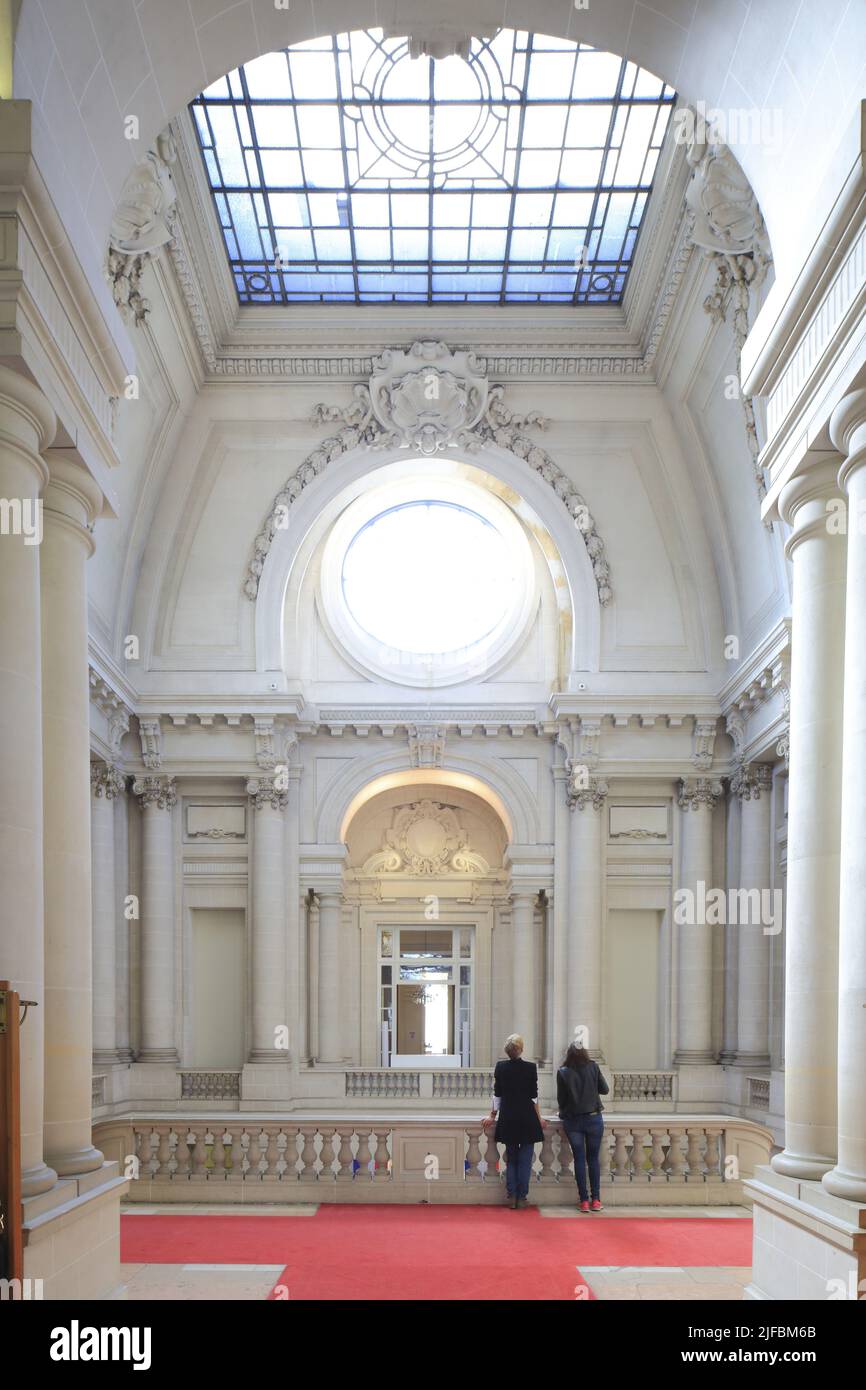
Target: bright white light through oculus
(428, 578)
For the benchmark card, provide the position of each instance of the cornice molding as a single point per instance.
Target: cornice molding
(243, 344)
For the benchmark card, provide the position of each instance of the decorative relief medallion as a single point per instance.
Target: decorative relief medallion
(426, 838)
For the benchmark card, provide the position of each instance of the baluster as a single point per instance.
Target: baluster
(491, 1156)
(235, 1154)
(620, 1155)
(363, 1153)
(546, 1173)
(308, 1154)
(473, 1154)
(231, 1144)
(253, 1154)
(268, 1153)
(657, 1157)
(566, 1157)
(693, 1157)
(169, 1148)
(197, 1156)
(181, 1155)
(286, 1160)
(244, 1163)
(637, 1154)
(711, 1156)
(327, 1155)
(381, 1169)
(345, 1171)
(163, 1151)
(674, 1163)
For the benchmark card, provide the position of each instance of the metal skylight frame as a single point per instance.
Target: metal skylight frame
(303, 223)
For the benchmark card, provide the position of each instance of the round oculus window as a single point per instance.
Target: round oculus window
(429, 577)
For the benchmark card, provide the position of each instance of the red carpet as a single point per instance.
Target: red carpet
(394, 1253)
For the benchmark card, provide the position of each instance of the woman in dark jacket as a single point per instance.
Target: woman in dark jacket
(519, 1124)
(579, 1084)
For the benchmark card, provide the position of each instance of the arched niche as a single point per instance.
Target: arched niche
(534, 500)
(504, 791)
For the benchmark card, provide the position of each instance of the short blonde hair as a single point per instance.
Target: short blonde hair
(513, 1045)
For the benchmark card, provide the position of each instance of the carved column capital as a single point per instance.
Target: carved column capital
(267, 794)
(105, 780)
(159, 792)
(583, 791)
(750, 779)
(695, 792)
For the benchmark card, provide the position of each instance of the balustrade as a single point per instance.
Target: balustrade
(669, 1153)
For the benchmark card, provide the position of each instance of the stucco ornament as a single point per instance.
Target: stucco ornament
(143, 223)
(426, 397)
(429, 399)
(426, 838)
(727, 225)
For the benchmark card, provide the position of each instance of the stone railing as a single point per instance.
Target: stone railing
(759, 1092)
(381, 1082)
(647, 1087)
(98, 1091)
(209, 1085)
(464, 1084)
(681, 1160)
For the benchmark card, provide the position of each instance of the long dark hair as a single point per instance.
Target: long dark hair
(576, 1057)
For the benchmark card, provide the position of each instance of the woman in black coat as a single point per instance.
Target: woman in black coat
(519, 1124)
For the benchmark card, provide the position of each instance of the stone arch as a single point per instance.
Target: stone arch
(495, 783)
(279, 547)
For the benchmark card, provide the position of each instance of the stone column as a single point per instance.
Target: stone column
(814, 799)
(330, 1024)
(848, 1178)
(585, 916)
(158, 798)
(270, 921)
(697, 797)
(752, 786)
(558, 966)
(27, 426)
(525, 973)
(106, 784)
(72, 501)
(732, 880)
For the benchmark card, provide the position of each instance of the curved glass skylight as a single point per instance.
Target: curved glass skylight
(345, 170)
(428, 577)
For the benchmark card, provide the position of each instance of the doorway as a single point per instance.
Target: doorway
(426, 994)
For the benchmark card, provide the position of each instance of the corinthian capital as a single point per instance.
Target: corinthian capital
(105, 780)
(264, 792)
(156, 791)
(750, 779)
(696, 792)
(585, 791)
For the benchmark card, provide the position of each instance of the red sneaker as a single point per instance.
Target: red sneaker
(596, 1205)
(583, 1206)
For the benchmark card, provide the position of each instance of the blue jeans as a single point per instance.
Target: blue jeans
(585, 1134)
(518, 1173)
